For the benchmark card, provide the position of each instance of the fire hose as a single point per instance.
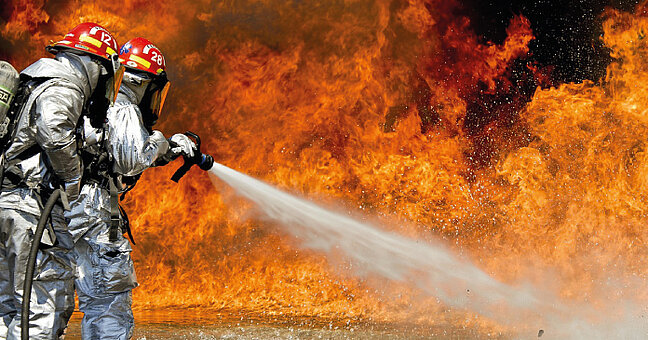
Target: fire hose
(200, 159)
(31, 263)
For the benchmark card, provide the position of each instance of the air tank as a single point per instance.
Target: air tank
(9, 80)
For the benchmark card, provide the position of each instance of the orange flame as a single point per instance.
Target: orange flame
(373, 104)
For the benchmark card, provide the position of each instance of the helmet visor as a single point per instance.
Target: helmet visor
(116, 69)
(114, 82)
(158, 97)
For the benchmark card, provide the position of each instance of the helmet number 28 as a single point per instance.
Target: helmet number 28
(157, 58)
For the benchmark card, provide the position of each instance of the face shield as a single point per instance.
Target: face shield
(154, 90)
(113, 83)
(159, 91)
(104, 96)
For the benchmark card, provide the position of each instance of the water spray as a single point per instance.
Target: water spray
(429, 266)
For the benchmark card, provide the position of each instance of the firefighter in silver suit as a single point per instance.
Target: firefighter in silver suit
(40, 157)
(115, 157)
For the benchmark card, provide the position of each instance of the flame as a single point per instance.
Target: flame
(394, 108)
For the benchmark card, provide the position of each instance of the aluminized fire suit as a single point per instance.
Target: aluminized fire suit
(106, 273)
(43, 148)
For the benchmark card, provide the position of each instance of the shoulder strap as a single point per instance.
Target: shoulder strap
(22, 101)
(114, 211)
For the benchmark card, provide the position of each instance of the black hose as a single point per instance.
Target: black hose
(31, 263)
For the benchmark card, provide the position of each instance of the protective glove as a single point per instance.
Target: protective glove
(182, 145)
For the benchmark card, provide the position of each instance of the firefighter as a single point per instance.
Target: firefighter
(115, 156)
(40, 157)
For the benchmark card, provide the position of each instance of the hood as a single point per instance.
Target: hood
(133, 88)
(126, 94)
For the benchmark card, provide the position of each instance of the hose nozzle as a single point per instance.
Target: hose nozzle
(207, 161)
(204, 161)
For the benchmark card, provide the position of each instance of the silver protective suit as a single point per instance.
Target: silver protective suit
(47, 123)
(106, 274)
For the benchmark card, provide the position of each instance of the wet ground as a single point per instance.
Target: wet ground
(190, 324)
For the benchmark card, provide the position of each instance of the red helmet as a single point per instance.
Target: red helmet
(140, 54)
(89, 38)
(93, 39)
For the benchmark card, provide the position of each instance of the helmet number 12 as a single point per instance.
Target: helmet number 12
(105, 37)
